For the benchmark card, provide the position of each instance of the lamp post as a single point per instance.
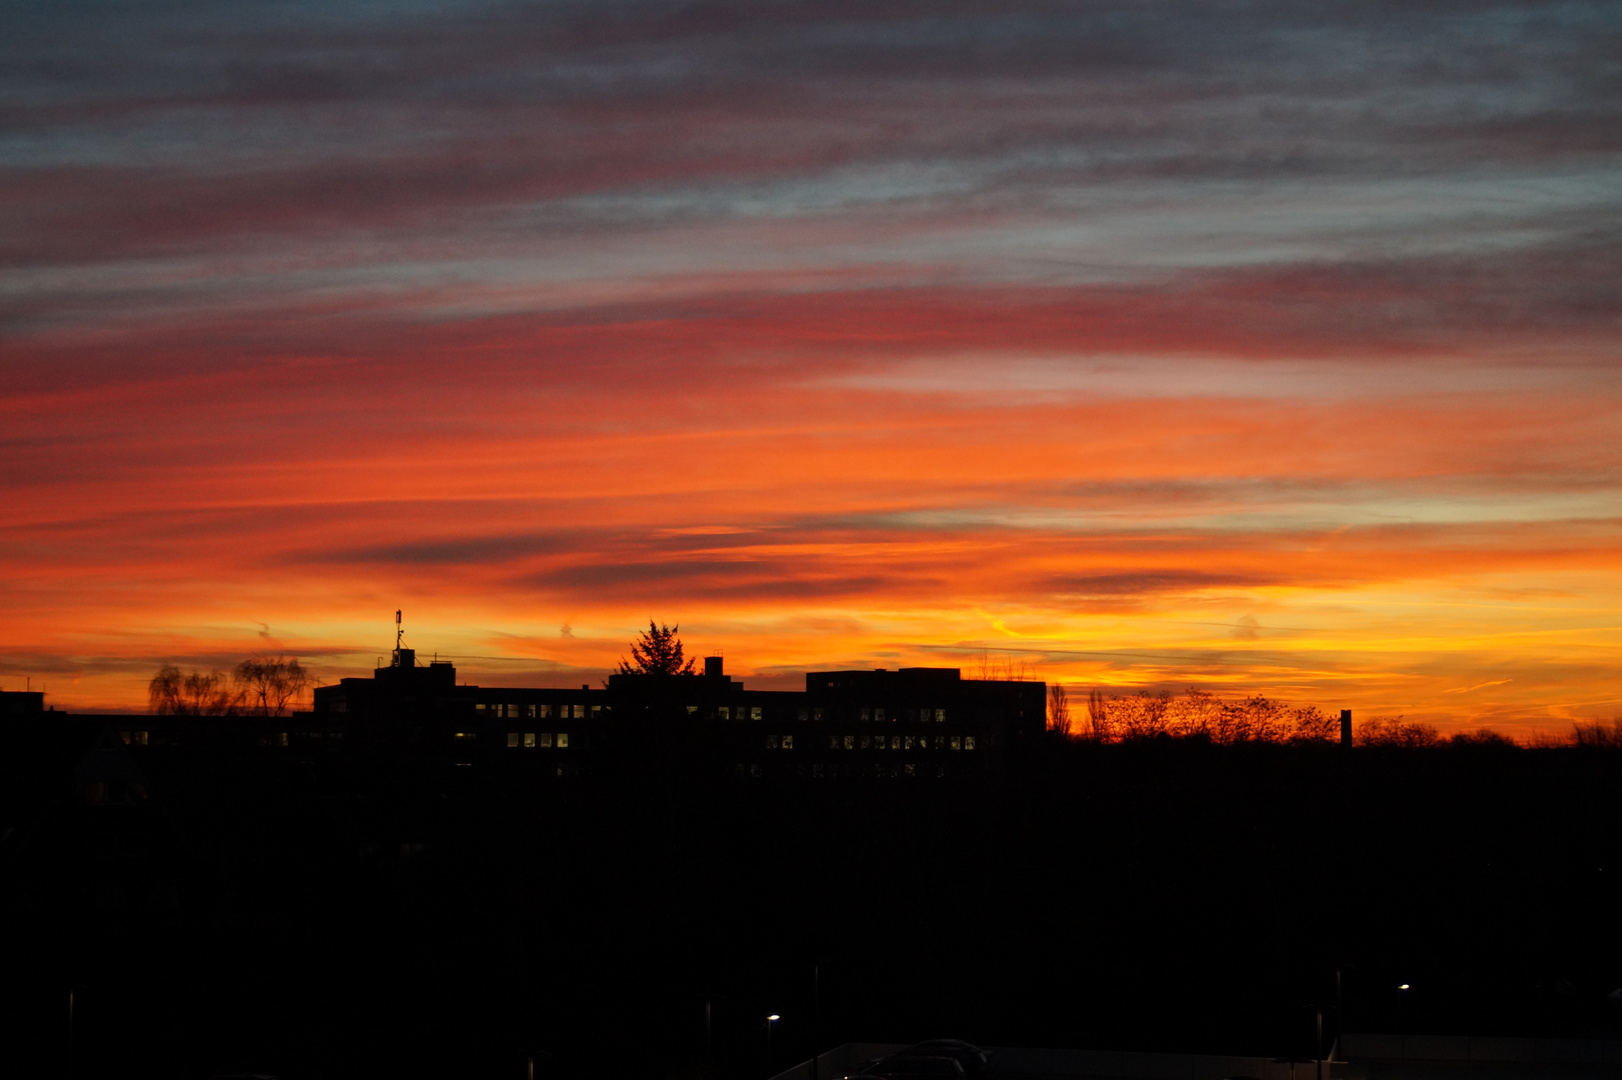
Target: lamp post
(770, 1020)
(1402, 1030)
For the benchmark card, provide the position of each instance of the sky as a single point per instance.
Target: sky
(1264, 348)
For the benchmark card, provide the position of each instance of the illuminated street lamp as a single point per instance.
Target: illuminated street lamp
(770, 1020)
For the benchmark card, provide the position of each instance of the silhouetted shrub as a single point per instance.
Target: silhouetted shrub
(1200, 714)
(1394, 731)
(1483, 737)
(1598, 734)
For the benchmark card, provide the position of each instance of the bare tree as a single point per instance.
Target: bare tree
(1598, 734)
(1059, 710)
(269, 684)
(1099, 728)
(1000, 668)
(1311, 724)
(1394, 731)
(656, 651)
(193, 694)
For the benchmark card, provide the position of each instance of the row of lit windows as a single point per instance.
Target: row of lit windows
(545, 740)
(543, 711)
(900, 742)
(549, 710)
(877, 715)
(880, 742)
(912, 715)
(753, 712)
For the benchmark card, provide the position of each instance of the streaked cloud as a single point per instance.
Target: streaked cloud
(1265, 347)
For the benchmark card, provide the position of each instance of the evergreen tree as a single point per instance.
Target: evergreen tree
(656, 651)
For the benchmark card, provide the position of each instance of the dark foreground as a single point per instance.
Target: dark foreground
(349, 913)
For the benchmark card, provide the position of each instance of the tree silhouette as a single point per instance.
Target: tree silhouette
(195, 694)
(270, 683)
(656, 651)
(1059, 710)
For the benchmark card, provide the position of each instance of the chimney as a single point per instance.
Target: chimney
(712, 665)
(1345, 727)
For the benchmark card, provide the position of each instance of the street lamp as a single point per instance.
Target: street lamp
(770, 1020)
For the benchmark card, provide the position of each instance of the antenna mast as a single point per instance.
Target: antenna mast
(399, 637)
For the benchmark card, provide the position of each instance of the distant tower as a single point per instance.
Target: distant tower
(403, 657)
(1345, 727)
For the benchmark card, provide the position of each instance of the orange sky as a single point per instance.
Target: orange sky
(1084, 363)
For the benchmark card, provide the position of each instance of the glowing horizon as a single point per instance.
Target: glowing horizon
(1148, 347)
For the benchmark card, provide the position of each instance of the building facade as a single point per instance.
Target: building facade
(913, 722)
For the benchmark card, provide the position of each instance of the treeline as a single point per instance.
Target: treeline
(259, 686)
(1201, 715)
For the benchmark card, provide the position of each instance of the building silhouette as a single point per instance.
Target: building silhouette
(913, 722)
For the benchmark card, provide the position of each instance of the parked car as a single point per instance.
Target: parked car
(932, 1057)
(913, 1067)
(973, 1059)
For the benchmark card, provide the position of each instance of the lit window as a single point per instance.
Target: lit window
(723, 712)
(968, 742)
(909, 742)
(579, 712)
(907, 768)
(850, 742)
(771, 742)
(465, 736)
(529, 711)
(867, 714)
(563, 740)
(140, 738)
(788, 742)
(956, 743)
(878, 714)
(512, 738)
(529, 740)
(596, 711)
(546, 711)
(281, 738)
(546, 740)
(692, 710)
(754, 712)
(895, 742)
(479, 706)
(940, 716)
(865, 742)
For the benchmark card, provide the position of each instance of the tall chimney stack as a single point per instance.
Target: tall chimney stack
(1345, 727)
(712, 665)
